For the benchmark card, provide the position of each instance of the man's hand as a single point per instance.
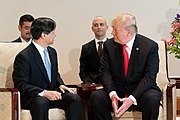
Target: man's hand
(115, 100)
(63, 88)
(52, 95)
(127, 102)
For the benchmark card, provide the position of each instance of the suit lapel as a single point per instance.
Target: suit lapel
(38, 60)
(118, 57)
(134, 55)
(94, 50)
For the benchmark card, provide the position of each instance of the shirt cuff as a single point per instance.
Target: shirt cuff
(41, 93)
(133, 99)
(112, 93)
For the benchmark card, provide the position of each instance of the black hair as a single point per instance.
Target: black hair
(25, 18)
(42, 25)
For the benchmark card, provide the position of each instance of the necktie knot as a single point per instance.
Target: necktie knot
(47, 64)
(100, 43)
(124, 46)
(100, 48)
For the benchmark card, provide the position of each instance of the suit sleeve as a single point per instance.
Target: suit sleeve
(21, 77)
(83, 67)
(105, 71)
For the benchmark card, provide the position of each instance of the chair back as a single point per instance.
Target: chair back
(8, 52)
(162, 76)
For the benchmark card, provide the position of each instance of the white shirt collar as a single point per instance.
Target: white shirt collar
(130, 45)
(96, 40)
(40, 49)
(131, 42)
(24, 41)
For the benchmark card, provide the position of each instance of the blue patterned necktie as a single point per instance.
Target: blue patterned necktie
(47, 64)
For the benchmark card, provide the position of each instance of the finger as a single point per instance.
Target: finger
(120, 111)
(59, 95)
(114, 105)
(70, 90)
(62, 90)
(123, 99)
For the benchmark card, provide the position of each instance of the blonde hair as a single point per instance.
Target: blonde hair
(128, 21)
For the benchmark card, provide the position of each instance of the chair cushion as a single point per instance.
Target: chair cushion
(54, 114)
(129, 115)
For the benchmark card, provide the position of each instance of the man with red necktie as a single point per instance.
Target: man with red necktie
(128, 73)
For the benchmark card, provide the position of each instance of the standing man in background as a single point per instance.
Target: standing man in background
(129, 67)
(91, 52)
(24, 26)
(37, 78)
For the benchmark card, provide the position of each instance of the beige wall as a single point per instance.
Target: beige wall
(74, 18)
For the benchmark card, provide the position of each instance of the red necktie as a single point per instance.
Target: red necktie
(126, 59)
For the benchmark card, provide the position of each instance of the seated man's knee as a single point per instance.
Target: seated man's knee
(41, 103)
(96, 96)
(153, 99)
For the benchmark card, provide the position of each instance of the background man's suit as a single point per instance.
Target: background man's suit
(30, 77)
(89, 63)
(17, 40)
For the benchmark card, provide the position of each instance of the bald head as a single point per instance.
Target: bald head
(99, 27)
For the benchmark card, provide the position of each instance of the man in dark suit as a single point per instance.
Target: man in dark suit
(24, 26)
(136, 89)
(90, 59)
(40, 88)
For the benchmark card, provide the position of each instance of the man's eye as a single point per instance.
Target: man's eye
(27, 28)
(101, 24)
(95, 25)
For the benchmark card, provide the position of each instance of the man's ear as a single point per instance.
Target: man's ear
(19, 27)
(43, 35)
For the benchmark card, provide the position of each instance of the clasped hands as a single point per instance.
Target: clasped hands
(126, 103)
(55, 95)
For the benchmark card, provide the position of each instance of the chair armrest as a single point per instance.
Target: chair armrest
(171, 100)
(14, 93)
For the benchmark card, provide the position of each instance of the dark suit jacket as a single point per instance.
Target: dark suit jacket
(17, 40)
(142, 69)
(89, 63)
(30, 76)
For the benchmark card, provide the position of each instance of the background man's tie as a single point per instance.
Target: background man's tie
(47, 64)
(100, 48)
(126, 59)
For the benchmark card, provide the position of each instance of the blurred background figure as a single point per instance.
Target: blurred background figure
(24, 26)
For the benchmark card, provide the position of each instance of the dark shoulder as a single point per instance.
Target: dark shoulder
(88, 44)
(144, 39)
(51, 48)
(145, 42)
(17, 40)
(109, 42)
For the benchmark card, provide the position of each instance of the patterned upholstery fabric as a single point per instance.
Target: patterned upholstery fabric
(54, 114)
(7, 54)
(5, 106)
(8, 51)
